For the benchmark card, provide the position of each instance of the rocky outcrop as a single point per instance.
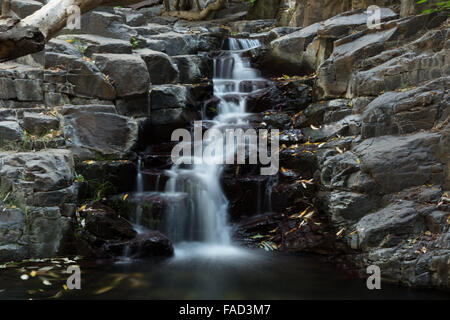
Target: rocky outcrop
(92, 132)
(39, 198)
(377, 55)
(104, 234)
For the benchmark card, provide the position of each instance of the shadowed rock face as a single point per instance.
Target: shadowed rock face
(93, 131)
(107, 235)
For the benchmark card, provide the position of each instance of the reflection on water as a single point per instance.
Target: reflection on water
(200, 271)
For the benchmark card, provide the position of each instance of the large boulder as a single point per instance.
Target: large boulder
(390, 225)
(286, 53)
(424, 59)
(45, 170)
(10, 132)
(92, 132)
(106, 24)
(173, 43)
(373, 60)
(24, 8)
(83, 77)
(407, 111)
(12, 225)
(193, 68)
(38, 123)
(128, 72)
(398, 162)
(160, 66)
(105, 234)
(88, 44)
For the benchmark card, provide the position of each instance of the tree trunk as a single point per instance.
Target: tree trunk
(198, 15)
(19, 38)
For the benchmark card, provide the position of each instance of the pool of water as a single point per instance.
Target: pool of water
(201, 271)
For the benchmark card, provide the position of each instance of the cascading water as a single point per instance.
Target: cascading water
(205, 220)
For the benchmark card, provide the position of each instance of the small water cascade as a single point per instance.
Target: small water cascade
(139, 190)
(205, 220)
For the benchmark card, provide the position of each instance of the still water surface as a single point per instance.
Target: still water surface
(200, 271)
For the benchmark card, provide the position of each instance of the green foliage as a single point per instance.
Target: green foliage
(134, 42)
(252, 2)
(79, 177)
(99, 188)
(440, 6)
(12, 202)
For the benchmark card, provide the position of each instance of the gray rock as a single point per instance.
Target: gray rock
(400, 162)
(444, 154)
(173, 43)
(173, 116)
(160, 66)
(89, 44)
(85, 78)
(38, 124)
(151, 29)
(45, 170)
(344, 23)
(408, 111)
(290, 48)
(359, 60)
(423, 60)
(46, 231)
(128, 72)
(134, 106)
(193, 68)
(94, 133)
(10, 131)
(169, 97)
(29, 90)
(389, 226)
(252, 26)
(7, 89)
(281, 31)
(106, 24)
(24, 8)
(345, 208)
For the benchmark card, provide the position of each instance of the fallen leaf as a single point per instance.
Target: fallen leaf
(103, 290)
(340, 232)
(125, 197)
(47, 283)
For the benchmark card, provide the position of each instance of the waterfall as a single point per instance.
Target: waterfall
(205, 219)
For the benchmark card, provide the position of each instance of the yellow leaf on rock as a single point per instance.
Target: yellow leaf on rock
(83, 207)
(339, 233)
(103, 290)
(424, 250)
(125, 197)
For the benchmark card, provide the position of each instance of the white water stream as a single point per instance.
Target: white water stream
(205, 219)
